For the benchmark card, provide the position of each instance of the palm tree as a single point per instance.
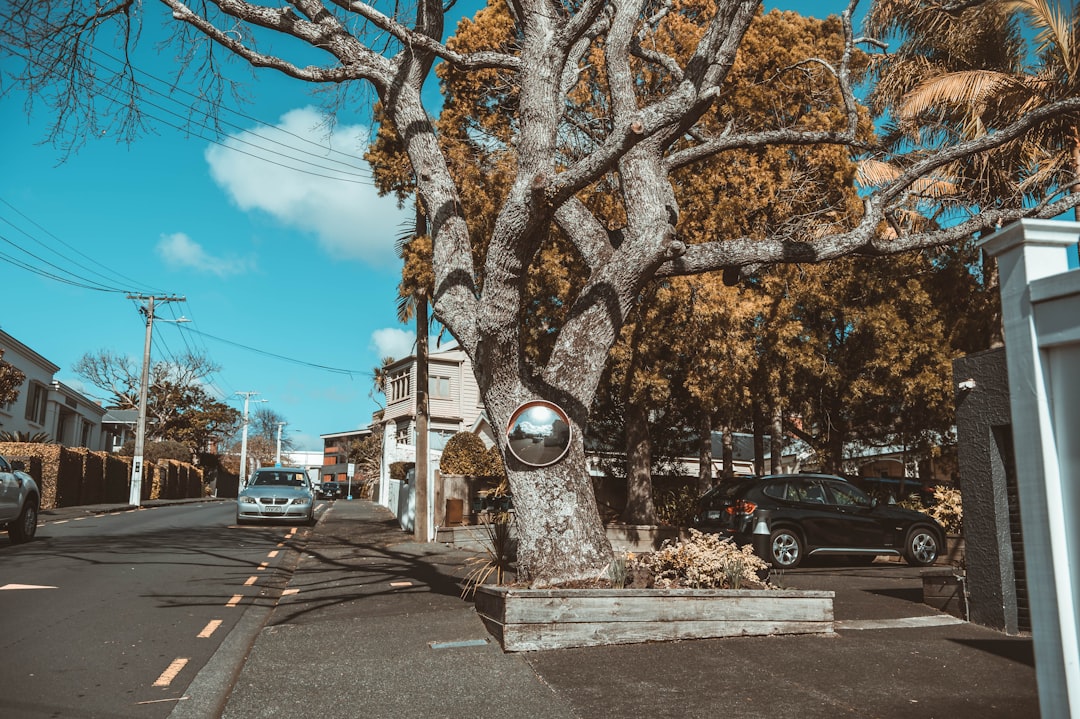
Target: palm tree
(962, 74)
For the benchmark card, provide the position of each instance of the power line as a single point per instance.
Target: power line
(283, 358)
(353, 171)
(84, 281)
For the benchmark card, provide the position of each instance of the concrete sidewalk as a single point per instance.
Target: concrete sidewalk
(372, 625)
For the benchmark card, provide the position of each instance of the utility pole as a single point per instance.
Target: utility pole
(243, 441)
(135, 498)
(277, 456)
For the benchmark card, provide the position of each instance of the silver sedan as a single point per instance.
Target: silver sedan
(281, 494)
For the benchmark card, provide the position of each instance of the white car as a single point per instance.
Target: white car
(282, 494)
(19, 502)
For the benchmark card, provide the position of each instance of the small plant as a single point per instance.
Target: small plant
(498, 547)
(705, 561)
(948, 509)
(619, 570)
(677, 509)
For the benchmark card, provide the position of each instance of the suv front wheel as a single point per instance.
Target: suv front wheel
(785, 549)
(921, 547)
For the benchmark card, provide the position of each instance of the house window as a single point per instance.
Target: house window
(404, 434)
(399, 387)
(86, 434)
(439, 387)
(35, 403)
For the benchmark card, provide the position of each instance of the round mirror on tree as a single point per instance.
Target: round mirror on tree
(538, 433)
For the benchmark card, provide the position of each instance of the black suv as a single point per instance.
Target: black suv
(789, 517)
(331, 490)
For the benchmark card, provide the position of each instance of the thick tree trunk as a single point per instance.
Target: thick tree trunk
(759, 436)
(560, 535)
(705, 458)
(776, 451)
(729, 453)
(640, 508)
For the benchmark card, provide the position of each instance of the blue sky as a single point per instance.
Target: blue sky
(289, 277)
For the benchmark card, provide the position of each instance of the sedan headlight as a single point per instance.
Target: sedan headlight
(246, 500)
(302, 500)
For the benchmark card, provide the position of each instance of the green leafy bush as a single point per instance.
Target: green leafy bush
(677, 507)
(948, 509)
(466, 454)
(704, 561)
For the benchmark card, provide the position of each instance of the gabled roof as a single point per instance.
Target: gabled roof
(120, 416)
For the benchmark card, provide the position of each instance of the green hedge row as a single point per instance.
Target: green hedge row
(69, 477)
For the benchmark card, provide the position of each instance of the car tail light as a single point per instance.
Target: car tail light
(742, 507)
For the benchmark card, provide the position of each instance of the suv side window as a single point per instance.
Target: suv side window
(847, 496)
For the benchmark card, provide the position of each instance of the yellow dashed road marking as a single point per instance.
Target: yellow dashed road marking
(209, 629)
(250, 581)
(169, 674)
(235, 600)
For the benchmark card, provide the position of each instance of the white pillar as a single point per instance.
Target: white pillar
(1041, 362)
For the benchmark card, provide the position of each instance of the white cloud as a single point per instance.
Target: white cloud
(393, 342)
(179, 249)
(330, 195)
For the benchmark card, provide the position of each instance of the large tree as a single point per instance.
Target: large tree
(636, 149)
(178, 406)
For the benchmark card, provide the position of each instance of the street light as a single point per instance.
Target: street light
(135, 497)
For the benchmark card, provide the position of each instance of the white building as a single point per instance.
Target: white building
(46, 405)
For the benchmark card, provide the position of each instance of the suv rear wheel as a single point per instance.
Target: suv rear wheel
(785, 549)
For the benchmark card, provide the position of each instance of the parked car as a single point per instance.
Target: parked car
(19, 502)
(277, 494)
(793, 516)
(331, 490)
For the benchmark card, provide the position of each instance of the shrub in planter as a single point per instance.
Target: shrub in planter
(703, 561)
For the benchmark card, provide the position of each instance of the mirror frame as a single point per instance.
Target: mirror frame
(560, 416)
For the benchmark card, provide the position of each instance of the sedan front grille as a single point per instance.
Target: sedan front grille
(274, 500)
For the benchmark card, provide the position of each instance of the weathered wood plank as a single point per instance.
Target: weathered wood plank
(526, 610)
(530, 619)
(534, 637)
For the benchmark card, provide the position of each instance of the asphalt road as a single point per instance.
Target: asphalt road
(113, 615)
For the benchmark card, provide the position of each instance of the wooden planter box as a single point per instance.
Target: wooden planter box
(943, 589)
(532, 619)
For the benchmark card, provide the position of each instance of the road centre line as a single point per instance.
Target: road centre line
(272, 554)
(250, 581)
(263, 565)
(209, 629)
(235, 600)
(169, 674)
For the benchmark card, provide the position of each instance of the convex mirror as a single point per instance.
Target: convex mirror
(538, 433)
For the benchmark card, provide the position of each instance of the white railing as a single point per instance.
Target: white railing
(1040, 306)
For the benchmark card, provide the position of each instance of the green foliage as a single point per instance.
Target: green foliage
(466, 454)
(498, 543)
(704, 561)
(677, 507)
(155, 451)
(948, 509)
(11, 380)
(26, 437)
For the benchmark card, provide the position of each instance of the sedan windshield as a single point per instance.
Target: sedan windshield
(279, 479)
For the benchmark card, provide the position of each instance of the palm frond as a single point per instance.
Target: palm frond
(967, 91)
